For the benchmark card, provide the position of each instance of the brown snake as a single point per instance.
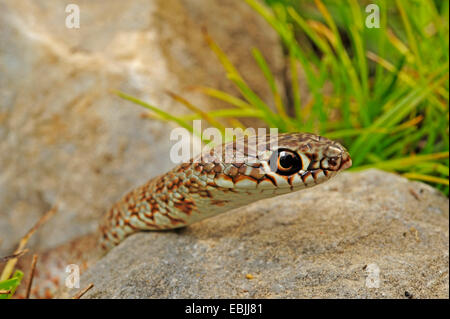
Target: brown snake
(205, 186)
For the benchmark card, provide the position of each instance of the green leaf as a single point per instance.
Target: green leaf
(164, 115)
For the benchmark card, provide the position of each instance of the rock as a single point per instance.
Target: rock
(65, 139)
(369, 234)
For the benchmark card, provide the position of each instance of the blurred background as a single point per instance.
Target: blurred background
(84, 112)
(371, 74)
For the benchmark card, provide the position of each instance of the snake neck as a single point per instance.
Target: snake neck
(176, 199)
(189, 193)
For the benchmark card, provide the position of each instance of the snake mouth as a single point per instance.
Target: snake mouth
(346, 161)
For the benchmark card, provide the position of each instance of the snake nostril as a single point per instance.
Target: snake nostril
(332, 161)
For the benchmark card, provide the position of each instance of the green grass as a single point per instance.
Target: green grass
(11, 284)
(389, 99)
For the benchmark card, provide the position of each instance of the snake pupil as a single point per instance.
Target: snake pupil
(286, 160)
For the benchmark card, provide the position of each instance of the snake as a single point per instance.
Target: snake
(208, 184)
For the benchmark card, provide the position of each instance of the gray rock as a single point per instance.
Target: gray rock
(362, 235)
(65, 139)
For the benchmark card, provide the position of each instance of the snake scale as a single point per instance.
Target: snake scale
(205, 186)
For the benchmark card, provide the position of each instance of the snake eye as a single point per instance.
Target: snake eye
(285, 162)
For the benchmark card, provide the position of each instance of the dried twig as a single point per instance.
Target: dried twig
(16, 255)
(414, 194)
(7, 271)
(31, 276)
(82, 292)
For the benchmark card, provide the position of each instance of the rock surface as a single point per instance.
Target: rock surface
(362, 235)
(65, 139)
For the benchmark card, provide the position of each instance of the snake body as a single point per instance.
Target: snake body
(208, 185)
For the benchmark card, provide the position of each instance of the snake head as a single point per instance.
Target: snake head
(302, 160)
(287, 161)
